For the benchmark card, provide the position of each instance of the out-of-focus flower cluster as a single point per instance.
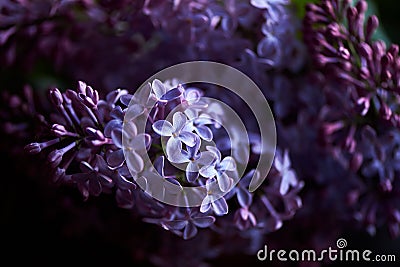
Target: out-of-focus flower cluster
(360, 120)
(332, 86)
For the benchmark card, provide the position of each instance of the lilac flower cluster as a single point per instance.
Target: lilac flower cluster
(89, 133)
(360, 120)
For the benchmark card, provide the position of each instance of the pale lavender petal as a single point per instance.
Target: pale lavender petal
(179, 121)
(206, 158)
(286, 160)
(260, 3)
(278, 163)
(205, 204)
(220, 207)
(227, 164)
(208, 171)
(215, 151)
(192, 172)
(163, 128)
(192, 95)
(225, 183)
(176, 224)
(129, 130)
(134, 161)
(203, 222)
(140, 142)
(174, 151)
(289, 178)
(158, 88)
(244, 197)
(85, 167)
(204, 132)
(111, 125)
(190, 231)
(188, 138)
(134, 111)
(178, 157)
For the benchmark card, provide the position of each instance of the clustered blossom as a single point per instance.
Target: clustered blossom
(360, 120)
(101, 138)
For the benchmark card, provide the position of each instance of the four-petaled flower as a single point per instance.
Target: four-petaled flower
(194, 158)
(214, 199)
(219, 168)
(282, 165)
(177, 133)
(188, 225)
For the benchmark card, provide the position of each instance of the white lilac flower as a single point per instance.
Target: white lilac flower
(176, 133)
(194, 159)
(283, 166)
(214, 199)
(218, 169)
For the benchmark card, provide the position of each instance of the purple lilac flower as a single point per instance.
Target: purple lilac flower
(218, 169)
(95, 135)
(360, 114)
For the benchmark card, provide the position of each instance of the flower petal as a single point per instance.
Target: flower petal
(190, 231)
(134, 111)
(204, 221)
(174, 151)
(134, 161)
(190, 139)
(208, 171)
(111, 125)
(129, 130)
(204, 132)
(225, 183)
(163, 128)
(289, 178)
(205, 204)
(206, 158)
(172, 94)
(116, 158)
(192, 172)
(116, 136)
(227, 164)
(179, 121)
(192, 95)
(158, 88)
(215, 151)
(220, 207)
(124, 198)
(140, 142)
